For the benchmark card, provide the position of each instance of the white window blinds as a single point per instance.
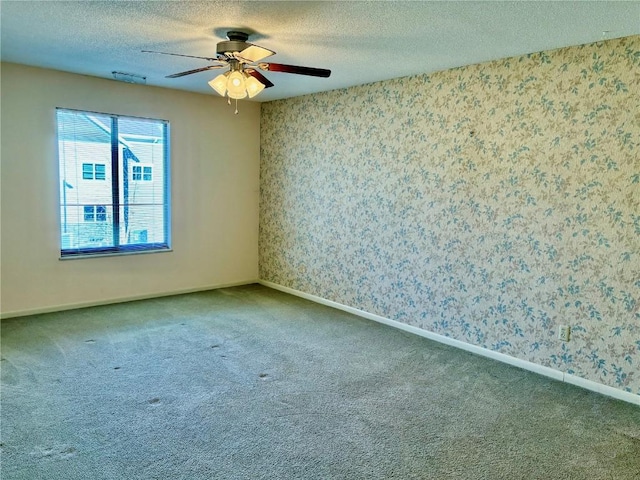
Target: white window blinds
(102, 209)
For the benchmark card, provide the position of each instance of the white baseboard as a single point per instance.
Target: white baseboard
(501, 357)
(96, 303)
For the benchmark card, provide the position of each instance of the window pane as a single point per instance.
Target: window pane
(100, 172)
(89, 213)
(83, 139)
(87, 171)
(144, 224)
(81, 234)
(101, 213)
(143, 208)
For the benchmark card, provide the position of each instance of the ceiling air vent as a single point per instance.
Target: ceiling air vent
(129, 78)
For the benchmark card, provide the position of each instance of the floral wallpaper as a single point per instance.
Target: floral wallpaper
(490, 203)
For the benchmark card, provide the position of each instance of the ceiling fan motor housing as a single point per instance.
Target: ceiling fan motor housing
(237, 42)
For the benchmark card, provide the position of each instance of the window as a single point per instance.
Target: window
(91, 171)
(95, 213)
(87, 171)
(128, 210)
(139, 173)
(89, 213)
(100, 172)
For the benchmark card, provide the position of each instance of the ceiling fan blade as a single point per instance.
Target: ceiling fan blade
(254, 53)
(189, 72)
(261, 78)
(180, 55)
(279, 67)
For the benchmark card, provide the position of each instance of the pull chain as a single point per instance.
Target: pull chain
(229, 103)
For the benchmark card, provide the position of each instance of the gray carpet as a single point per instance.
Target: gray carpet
(252, 383)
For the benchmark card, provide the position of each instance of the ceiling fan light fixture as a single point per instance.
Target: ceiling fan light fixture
(219, 84)
(254, 86)
(236, 87)
(244, 60)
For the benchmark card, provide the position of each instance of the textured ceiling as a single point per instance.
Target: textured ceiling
(361, 42)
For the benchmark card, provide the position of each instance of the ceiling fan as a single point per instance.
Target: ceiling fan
(243, 59)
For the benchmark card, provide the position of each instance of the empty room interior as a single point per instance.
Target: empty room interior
(317, 240)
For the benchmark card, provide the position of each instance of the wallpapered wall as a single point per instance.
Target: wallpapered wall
(489, 203)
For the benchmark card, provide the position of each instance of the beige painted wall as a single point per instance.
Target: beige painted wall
(214, 188)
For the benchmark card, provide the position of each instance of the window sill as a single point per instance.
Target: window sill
(114, 254)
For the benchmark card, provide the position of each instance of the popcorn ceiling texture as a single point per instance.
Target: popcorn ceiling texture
(489, 203)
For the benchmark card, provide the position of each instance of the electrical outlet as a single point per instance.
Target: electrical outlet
(564, 333)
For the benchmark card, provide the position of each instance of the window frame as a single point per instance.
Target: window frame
(116, 186)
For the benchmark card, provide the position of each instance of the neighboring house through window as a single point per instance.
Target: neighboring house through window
(121, 212)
